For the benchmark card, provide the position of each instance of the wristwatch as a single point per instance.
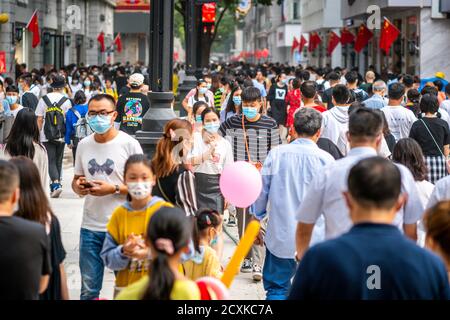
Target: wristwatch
(117, 191)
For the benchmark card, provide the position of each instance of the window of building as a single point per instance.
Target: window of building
(296, 10)
(22, 3)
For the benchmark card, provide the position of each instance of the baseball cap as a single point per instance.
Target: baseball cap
(136, 79)
(58, 82)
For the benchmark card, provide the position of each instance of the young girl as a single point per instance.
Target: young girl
(168, 236)
(205, 262)
(197, 110)
(124, 249)
(200, 95)
(233, 105)
(34, 206)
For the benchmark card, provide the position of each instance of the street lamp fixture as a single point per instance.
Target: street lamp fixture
(68, 39)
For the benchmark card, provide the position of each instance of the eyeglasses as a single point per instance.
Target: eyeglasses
(100, 113)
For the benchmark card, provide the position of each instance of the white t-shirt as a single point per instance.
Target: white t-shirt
(41, 109)
(16, 111)
(192, 101)
(223, 151)
(105, 162)
(400, 121)
(425, 189)
(446, 105)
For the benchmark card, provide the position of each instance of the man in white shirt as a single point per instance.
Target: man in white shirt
(52, 135)
(400, 119)
(99, 167)
(325, 194)
(440, 193)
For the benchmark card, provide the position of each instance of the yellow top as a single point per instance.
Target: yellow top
(175, 82)
(209, 267)
(182, 290)
(125, 221)
(112, 92)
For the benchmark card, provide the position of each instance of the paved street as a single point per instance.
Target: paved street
(68, 208)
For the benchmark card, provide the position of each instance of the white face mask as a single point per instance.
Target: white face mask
(139, 190)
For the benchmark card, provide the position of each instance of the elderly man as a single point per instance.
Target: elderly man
(377, 101)
(287, 172)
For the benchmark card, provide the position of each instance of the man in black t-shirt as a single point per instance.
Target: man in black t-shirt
(24, 246)
(327, 95)
(132, 106)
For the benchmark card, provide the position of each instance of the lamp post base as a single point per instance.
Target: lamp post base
(159, 113)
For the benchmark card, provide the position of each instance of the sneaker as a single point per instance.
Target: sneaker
(231, 221)
(247, 266)
(257, 273)
(55, 190)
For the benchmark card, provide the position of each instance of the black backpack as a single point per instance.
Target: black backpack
(55, 126)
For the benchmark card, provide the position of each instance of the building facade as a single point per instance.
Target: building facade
(68, 30)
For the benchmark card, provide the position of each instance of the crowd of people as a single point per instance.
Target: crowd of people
(355, 202)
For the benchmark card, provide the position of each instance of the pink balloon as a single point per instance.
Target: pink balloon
(240, 184)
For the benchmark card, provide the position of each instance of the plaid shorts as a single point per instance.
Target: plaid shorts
(437, 168)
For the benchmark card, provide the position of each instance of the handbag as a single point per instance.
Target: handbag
(257, 164)
(447, 161)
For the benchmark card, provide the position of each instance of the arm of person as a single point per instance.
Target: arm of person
(69, 128)
(40, 122)
(410, 231)
(260, 206)
(43, 284)
(112, 254)
(446, 150)
(77, 185)
(64, 287)
(303, 238)
(186, 193)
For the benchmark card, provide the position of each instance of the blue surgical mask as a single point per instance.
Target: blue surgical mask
(237, 100)
(212, 127)
(198, 119)
(250, 112)
(187, 256)
(209, 86)
(214, 241)
(87, 83)
(11, 99)
(203, 90)
(99, 124)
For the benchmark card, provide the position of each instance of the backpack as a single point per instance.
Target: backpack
(359, 95)
(82, 129)
(55, 126)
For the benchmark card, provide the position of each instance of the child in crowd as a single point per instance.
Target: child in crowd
(205, 262)
(124, 249)
(168, 235)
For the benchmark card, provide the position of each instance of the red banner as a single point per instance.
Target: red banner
(302, 44)
(2, 61)
(346, 37)
(314, 41)
(333, 42)
(363, 38)
(33, 27)
(388, 36)
(209, 13)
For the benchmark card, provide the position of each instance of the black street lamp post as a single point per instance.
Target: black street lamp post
(161, 64)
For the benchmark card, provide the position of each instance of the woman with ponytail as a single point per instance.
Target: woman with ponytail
(174, 182)
(168, 236)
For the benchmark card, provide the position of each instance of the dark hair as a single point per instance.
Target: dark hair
(429, 104)
(23, 135)
(169, 224)
(351, 77)
(413, 96)
(408, 80)
(437, 225)
(365, 123)
(307, 121)
(439, 84)
(386, 130)
(209, 110)
(296, 82)
(355, 106)
(199, 82)
(33, 202)
(12, 88)
(9, 180)
(375, 182)
(305, 75)
(231, 107)
(341, 94)
(429, 90)
(103, 96)
(251, 94)
(203, 220)
(80, 97)
(135, 159)
(333, 76)
(409, 153)
(198, 105)
(27, 78)
(447, 89)
(396, 91)
(308, 89)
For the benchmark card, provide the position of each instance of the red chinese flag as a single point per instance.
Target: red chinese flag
(333, 42)
(209, 12)
(388, 36)
(302, 44)
(33, 27)
(265, 53)
(118, 42)
(346, 37)
(314, 41)
(2, 61)
(295, 45)
(101, 40)
(363, 38)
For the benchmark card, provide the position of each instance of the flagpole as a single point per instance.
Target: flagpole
(28, 24)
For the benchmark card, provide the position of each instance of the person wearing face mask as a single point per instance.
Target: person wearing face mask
(253, 135)
(12, 97)
(124, 249)
(75, 85)
(98, 175)
(200, 95)
(277, 107)
(197, 111)
(205, 262)
(87, 88)
(27, 98)
(233, 105)
(210, 154)
(189, 100)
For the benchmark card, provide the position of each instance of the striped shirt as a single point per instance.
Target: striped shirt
(218, 100)
(262, 136)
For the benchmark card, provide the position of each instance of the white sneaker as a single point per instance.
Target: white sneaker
(257, 273)
(246, 266)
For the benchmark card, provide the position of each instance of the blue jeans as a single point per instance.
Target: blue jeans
(277, 275)
(91, 264)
